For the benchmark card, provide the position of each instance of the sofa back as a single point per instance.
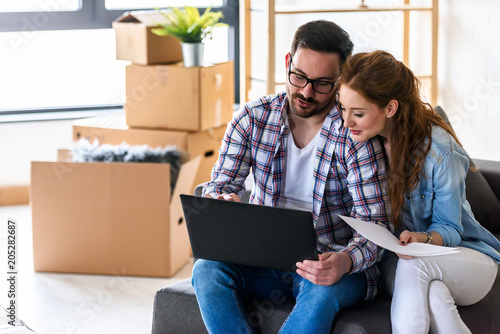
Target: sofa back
(483, 194)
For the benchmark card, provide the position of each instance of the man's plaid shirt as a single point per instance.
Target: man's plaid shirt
(349, 177)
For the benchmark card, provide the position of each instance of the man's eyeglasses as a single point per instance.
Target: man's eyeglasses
(300, 81)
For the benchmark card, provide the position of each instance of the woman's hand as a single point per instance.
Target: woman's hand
(405, 238)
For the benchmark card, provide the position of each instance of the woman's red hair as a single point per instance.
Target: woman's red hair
(380, 78)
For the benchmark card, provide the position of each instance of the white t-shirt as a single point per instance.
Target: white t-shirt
(298, 181)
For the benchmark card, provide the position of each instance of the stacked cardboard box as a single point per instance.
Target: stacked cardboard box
(164, 99)
(171, 96)
(135, 41)
(121, 218)
(160, 91)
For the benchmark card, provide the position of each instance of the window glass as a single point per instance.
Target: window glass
(78, 67)
(60, 68)
(63, 68)
(39, 5)
(130, 4)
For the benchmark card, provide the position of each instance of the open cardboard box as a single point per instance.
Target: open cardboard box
(109, 218)
(136, 42)
(178, 98)
(112, 129)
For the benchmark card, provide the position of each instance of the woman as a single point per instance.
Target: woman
(427, 167)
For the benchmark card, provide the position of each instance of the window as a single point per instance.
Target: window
(59, 55)
(39, 6)
(128, 4)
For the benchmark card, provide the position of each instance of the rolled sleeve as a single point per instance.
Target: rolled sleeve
(449, 192)
(363, 253)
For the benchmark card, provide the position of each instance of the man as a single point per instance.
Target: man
(300, 157)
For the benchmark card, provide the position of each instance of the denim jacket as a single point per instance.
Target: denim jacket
(438, 202)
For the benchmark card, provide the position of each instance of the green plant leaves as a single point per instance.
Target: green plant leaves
(188, 25)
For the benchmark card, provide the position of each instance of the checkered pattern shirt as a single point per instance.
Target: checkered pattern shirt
(348, 177)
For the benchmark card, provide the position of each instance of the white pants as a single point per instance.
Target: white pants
(427, 290)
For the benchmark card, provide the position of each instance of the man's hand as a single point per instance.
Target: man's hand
(328, 270)
(232, 197)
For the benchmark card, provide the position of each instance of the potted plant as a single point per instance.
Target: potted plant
(191, 28)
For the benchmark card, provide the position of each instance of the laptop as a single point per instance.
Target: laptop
(248, 234)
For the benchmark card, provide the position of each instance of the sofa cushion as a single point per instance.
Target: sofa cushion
(176, 311)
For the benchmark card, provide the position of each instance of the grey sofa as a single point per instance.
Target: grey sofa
(176, 309)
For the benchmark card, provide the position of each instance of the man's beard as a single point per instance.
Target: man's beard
(314, 109)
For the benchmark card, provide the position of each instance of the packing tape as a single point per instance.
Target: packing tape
(218, 81)
(218, 112)
(162, 73)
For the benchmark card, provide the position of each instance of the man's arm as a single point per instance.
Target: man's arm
(233, 165)
(366, 179)
(365, 168)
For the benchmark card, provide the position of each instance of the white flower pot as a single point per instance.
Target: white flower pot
(192, 54)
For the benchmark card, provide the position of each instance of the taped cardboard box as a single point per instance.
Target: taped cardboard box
(136, 42)
(178, 98)
(113, 130)
(109, 218)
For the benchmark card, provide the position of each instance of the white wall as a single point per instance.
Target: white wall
(469, 73)
(21, 143)
(469, 56)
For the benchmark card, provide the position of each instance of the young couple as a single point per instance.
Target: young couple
(349, 136)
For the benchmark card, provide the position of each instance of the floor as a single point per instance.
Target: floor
(51, 303)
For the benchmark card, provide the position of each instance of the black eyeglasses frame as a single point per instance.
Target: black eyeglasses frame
(311, 81)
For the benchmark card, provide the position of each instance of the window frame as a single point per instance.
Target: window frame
(93, 14)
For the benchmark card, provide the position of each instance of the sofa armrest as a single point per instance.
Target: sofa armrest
(491, 172)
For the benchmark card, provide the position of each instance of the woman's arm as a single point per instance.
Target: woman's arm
(448, 182)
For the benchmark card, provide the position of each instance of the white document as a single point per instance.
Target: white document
(382, 237)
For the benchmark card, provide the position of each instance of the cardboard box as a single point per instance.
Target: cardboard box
(136, 42)
(113, 130)
(109, 218)
(179, 98)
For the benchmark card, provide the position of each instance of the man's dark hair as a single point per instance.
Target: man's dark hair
(323, 36)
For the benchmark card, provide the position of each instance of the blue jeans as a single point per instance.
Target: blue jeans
(221, 289)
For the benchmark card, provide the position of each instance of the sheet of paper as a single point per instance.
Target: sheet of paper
(385, 239)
